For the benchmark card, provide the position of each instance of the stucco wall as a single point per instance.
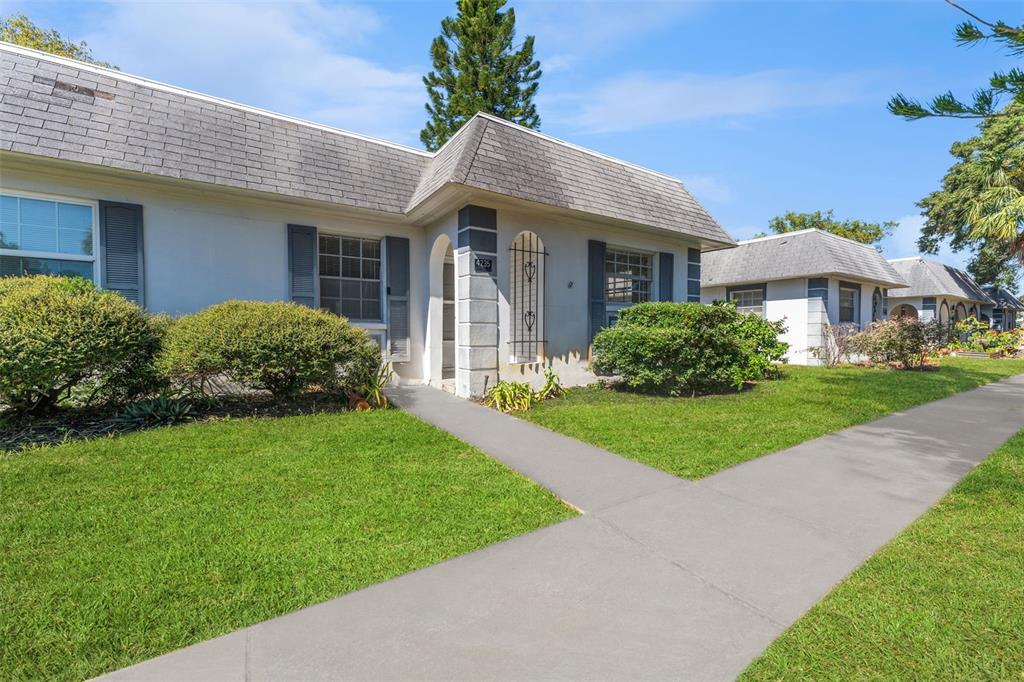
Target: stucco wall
(204, 247)
(787, 300)
(566, 303)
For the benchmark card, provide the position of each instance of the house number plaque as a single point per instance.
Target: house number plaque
(483, 265)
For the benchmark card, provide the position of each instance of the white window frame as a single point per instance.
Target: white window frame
(93, 205)
(749, 310)
(613, 308)
(374, 325)
(856, 304)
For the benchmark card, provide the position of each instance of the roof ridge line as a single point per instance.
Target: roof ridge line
(476, 151)
(585, 150)
(167, 87)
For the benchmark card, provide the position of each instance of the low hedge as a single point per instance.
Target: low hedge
(62, 340)
(687, 348)
(283, 348)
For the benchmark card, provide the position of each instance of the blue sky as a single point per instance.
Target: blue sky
(761, 107)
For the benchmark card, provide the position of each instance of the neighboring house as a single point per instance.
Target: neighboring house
(499, 255)
(937, 292)
(808, 278)
(1006, 311)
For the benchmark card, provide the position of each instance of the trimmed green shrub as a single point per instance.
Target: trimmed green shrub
(280, 347)
(62, 340)
(688, 348)
(902, 342)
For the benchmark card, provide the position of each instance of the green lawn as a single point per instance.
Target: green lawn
(942, 601)
(115, 550)
(695, 437)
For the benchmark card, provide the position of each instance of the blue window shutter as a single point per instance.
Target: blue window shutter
(302, 265)
(596, 285)
(666, 261)
(120, 250)
(398, 298)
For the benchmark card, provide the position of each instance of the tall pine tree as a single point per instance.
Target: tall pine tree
(477, 67)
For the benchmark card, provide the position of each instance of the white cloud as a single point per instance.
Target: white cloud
(708, 188)
(903, 243)
(294, 58)
(643, 99)
(567, 32)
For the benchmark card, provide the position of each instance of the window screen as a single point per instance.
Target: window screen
(847, 305)
(749, 301)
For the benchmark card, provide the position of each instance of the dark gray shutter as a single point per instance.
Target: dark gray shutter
(596, 286)
(302, 265)
(121, 250)
(666, 261)
(398, 298)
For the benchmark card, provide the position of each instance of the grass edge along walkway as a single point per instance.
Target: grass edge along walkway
(696, 437)
(116, 550)
(941, 601)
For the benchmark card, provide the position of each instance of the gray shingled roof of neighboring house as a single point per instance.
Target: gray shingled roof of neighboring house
(807, 253)
(57, 108)
(1003, 298)
(932, 278)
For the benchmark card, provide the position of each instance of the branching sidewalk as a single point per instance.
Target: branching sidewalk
(661, 578)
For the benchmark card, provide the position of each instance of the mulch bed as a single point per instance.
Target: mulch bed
(73, 424)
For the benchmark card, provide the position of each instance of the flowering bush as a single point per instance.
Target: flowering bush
(901, 342)
(976, 337)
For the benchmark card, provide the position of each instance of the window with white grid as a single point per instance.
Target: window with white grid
(350, 277)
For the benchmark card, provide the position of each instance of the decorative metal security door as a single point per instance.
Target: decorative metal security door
(527, 263)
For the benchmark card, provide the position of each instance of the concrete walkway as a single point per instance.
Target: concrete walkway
(661, 578)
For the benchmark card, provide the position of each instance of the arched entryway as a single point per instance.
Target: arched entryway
(960, 312)
(973, 312)
(944, 312)
(904, 311)
(877, 312)
(439, 361)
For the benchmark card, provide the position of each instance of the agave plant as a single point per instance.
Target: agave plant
(160, 411)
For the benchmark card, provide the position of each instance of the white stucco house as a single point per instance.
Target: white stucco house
(935, 291)
(808, 278)
(498, 256)
(1006, 311)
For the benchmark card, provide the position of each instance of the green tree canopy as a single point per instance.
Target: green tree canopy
(986, 101)
(980, 206)
(857, 230)
(477, 67)
(20, 30)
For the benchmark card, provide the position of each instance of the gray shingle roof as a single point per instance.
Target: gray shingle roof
(495, 155)
(808, 253)
(932, 278)
(54, 107)
(1003, 298)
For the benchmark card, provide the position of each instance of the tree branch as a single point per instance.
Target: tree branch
(972, 15)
